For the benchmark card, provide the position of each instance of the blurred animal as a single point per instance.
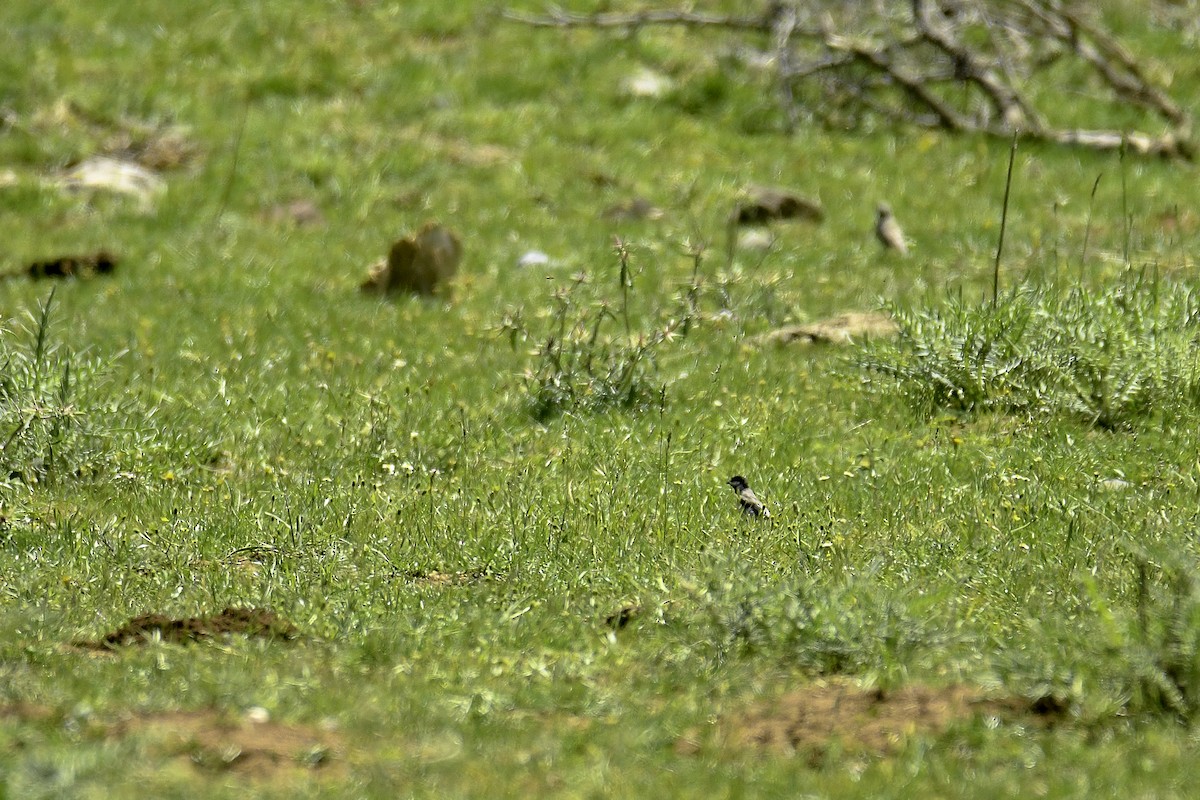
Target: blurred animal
(888, 230)
(417, 264)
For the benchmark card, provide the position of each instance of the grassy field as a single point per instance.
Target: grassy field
(507, 582)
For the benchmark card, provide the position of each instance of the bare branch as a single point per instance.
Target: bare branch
(1009, 104)
(638, 19)
(1168, 145)
(912, 85)
(781, 35)
(904, 61)
(1132, 84)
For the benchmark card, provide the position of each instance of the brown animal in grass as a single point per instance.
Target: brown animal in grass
(418, 264)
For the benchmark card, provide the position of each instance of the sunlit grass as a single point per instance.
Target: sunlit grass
(247, 428)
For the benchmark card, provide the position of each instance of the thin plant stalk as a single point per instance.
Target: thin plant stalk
(1012, 156)
(623, 258)
(227, 190)
(1087, 228)
(1126, 221)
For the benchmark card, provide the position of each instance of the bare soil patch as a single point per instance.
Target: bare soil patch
(435, 578)
(159, 627)
(28, 712)
(637, 208)
(838, 715)
(210, 740)
(301, 213)
(841, 329)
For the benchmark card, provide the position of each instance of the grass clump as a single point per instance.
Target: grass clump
(1109, 357)
(46, 421)
(1157, 646)
(580, 365)
(849, 626)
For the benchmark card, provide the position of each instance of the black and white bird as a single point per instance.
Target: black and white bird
(887, 229)
(751, 505)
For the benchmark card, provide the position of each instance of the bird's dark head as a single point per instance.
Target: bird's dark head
(738, 483)
(883, 211)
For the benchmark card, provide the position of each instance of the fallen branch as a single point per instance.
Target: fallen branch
(639, 19)
(970, 66)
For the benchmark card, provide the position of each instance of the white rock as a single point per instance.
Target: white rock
(534, 258)
(257, 715)
(647, 83)
(114, 175)
(756, 239)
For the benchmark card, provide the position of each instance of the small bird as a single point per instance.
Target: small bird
(750, 503)
(888, 230)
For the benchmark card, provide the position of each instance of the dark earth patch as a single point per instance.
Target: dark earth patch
(623, 616)
(87, 265)
(840, 716)
(151, 627)
(762, 204)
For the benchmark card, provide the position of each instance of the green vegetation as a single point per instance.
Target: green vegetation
(499, 517)
(1109, 357)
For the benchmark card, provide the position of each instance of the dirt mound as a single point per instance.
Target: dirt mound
(841, 715)
(152, 627)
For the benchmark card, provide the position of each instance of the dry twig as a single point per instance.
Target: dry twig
(960, 65)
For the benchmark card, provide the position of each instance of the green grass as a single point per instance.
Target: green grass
(1110, 358)
(227, 421)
